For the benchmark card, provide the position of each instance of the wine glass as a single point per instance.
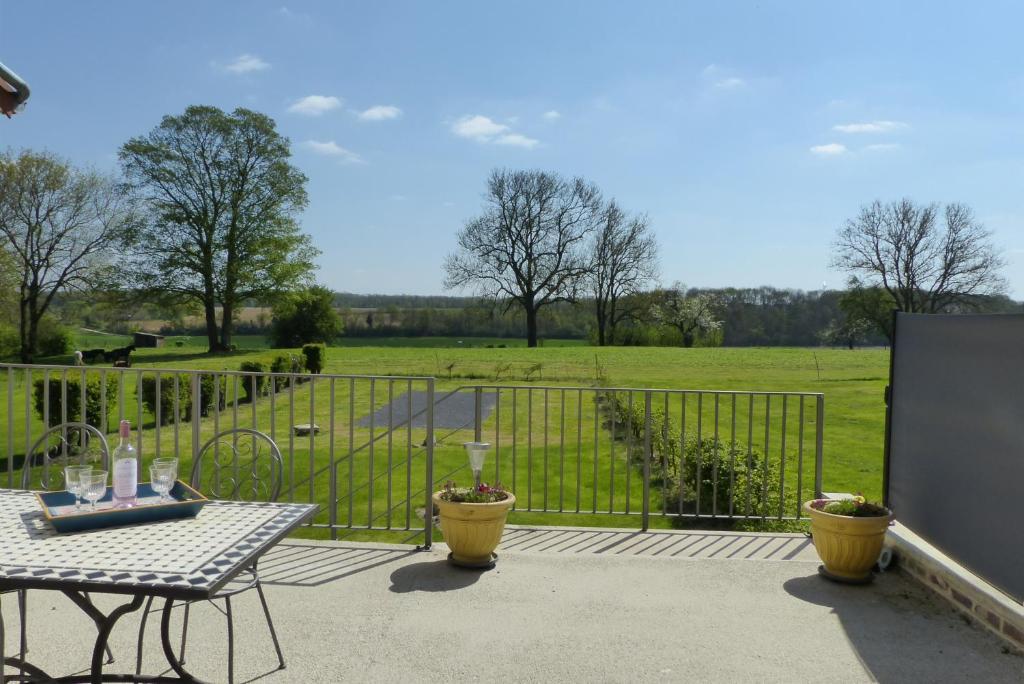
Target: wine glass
(94, 486)
(161, 476)
(73, 482)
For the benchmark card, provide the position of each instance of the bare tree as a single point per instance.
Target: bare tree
(625, 256)
(59, 224)
(690, 314)
(926, 257)
(528, 246)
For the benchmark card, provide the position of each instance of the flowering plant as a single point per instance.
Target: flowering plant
(857, 507)
(483, 493)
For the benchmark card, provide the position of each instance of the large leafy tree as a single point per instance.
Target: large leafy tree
(221, 198)
(625, 256)
(918, 258)
(57, 226)
(528, 247)
(306, 316)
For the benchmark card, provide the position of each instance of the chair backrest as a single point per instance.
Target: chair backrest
(62, 445)
(241, 464)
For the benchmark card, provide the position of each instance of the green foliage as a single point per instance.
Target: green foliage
(54, 338)
(9, 342)
(94, 398)
(167, 397)
(856, 507)
(698, 477)
(314, 355)
(206, 389)
(305, 316)
(257, 382)
(260, 250)
(692, 314)
(285, 363)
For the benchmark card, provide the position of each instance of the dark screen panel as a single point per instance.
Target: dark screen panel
(956, 450)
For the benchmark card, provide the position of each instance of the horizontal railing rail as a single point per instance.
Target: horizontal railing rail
(370, 450)
(690, 453)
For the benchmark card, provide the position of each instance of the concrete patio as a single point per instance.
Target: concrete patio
(562, 605)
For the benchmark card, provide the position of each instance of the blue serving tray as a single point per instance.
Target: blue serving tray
(59, 508)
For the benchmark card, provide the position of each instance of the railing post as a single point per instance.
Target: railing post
(197, 413)
(819, 439)
(478, 412)
(428, 512)
(645, 518)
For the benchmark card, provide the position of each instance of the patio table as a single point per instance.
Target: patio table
(177, 560)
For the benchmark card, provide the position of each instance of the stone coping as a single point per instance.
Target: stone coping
(966, 592)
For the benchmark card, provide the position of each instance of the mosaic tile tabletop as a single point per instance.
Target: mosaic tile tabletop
(190, 556)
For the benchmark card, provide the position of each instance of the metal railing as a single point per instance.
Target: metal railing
(371, 449)
(343, 443)
(673, 453)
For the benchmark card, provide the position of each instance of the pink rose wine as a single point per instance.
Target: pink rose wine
(126, 468)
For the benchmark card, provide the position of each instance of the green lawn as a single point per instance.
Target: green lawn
(387, 488)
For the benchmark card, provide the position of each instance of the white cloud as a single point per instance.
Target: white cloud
(870, 127)
(332, 149)
(730, 83)
(552, 115)
(315, 105)
(380, 113)
(479, 128)
(483, 129)
(516, 140)
(245, 64)
(721, 77)
(882, 147)
(829, 150)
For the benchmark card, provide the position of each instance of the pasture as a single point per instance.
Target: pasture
(386, 486)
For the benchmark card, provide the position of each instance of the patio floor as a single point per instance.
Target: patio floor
(562, 605)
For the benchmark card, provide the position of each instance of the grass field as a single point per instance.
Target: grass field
(389, 487)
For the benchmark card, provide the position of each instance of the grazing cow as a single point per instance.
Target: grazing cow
(93, 355)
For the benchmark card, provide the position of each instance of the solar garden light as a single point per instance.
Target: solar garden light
(477, 452)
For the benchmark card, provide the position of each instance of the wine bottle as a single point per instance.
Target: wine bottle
(126, 468)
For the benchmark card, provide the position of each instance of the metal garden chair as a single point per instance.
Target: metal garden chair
(241, 464)
(59, 446)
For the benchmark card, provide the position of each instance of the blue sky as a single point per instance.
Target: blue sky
(748, 132)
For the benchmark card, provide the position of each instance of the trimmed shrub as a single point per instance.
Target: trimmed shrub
(315, 356)
(94, 392)
(725, 474)
(257, 382)
(167, 397)
(286, 364)
(303, 316)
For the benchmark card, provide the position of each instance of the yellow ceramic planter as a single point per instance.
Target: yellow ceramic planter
(472, 530)
(848, 546)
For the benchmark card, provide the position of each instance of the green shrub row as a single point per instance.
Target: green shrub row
(94, 399)
(729, 476)
(206, 391)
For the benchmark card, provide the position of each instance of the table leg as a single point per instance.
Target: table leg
(165, 639)
(104, 624)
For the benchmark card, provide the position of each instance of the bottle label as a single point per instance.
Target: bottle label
(126, 478)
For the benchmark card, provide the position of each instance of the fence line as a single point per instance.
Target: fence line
(366, 448)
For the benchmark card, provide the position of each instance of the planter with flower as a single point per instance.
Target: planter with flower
(848, 536)
(473, 518)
